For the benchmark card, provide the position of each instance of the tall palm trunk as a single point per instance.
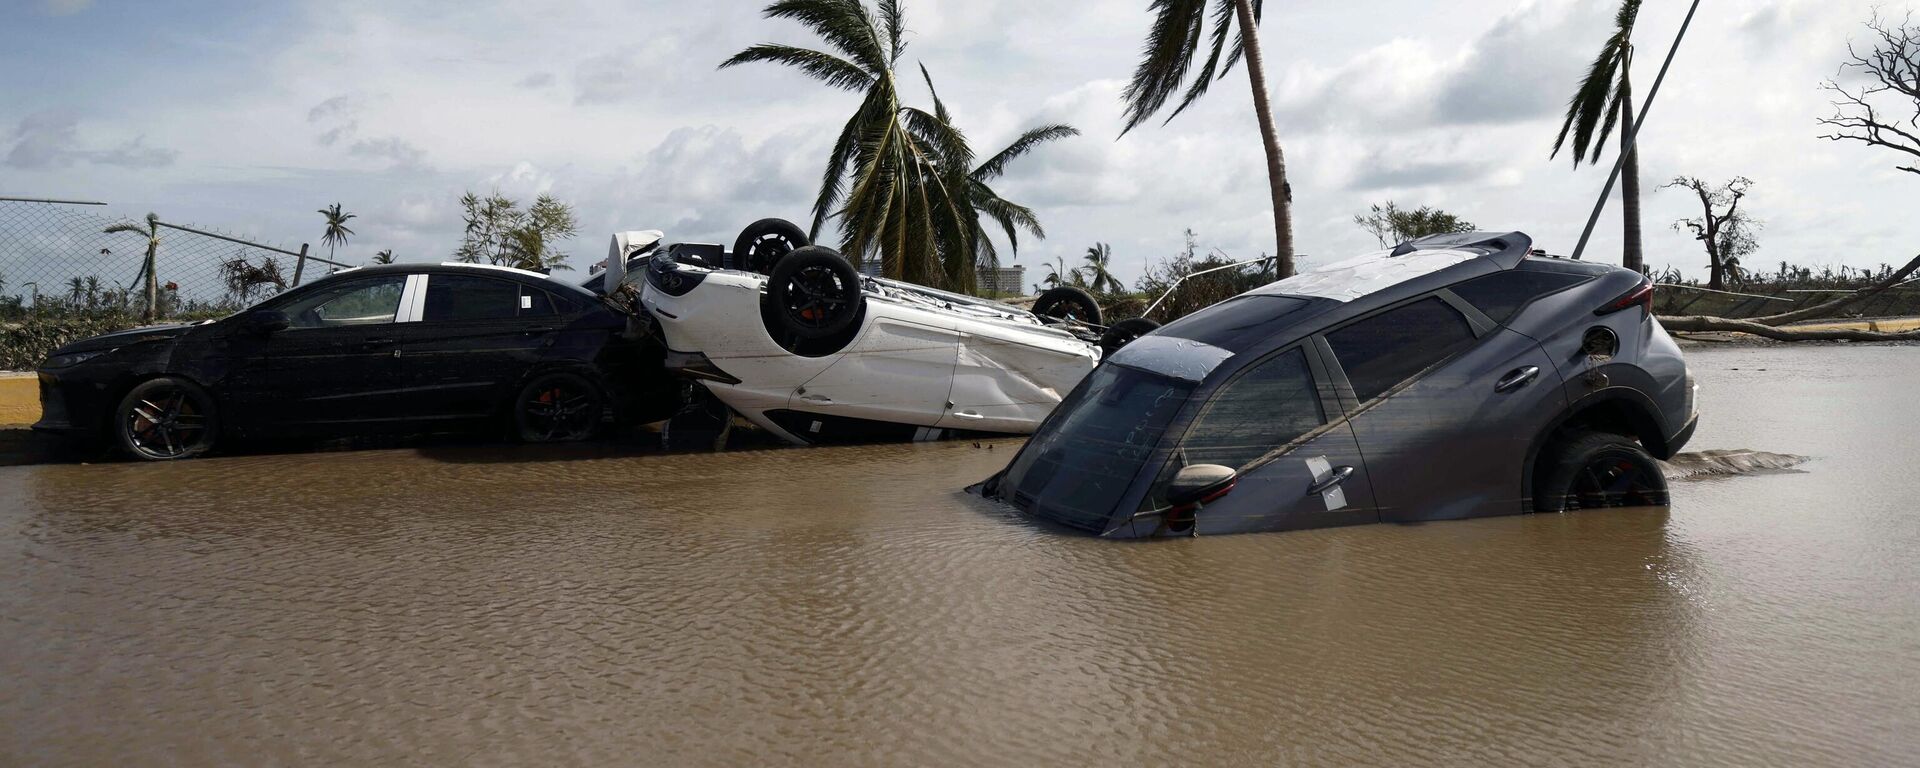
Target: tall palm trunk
(1630, 256)
(1269, 138)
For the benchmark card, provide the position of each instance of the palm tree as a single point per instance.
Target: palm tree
(76, 290)
(337, 231)
(1171, 43)
(385, 256)
(1607, 92)
(901, 181)
(1058, 275)
(953, 157)
(152, 233)
(1099, 278)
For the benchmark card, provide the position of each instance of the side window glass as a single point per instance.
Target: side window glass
(1503, 293)
(361, 302)
(461, 298)
(535, 302)
(1266, 407)
(1381, 351)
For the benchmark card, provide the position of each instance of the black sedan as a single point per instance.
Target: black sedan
(399, 348)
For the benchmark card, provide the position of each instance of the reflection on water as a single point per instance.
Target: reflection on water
(851, 606)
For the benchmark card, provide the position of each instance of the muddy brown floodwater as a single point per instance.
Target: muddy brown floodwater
(836, 607)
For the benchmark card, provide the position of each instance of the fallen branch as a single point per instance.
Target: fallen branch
(1693, 323)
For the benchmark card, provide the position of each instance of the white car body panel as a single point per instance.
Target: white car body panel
(922, 358)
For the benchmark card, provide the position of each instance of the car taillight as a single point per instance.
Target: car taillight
(1641, 296)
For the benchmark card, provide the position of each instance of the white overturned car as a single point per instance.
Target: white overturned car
(814, 352)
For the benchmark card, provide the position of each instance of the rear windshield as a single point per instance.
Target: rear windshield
(1239, 323)
(1077, 468)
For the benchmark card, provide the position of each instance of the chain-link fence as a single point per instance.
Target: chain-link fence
(71, 269)
(77, 256)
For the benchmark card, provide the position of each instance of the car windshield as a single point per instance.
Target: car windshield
(1080, 464)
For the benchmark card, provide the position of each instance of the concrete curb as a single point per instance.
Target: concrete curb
(19, 400)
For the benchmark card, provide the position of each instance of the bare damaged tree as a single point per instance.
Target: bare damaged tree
(1725, 230)
(1890, 74)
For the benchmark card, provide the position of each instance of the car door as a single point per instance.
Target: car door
(1277, 423)
(335, 363)
(900, 371)
(477, 338)
(1447, 407)
(1009, 381)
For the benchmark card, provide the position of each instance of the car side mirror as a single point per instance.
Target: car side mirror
(266, 321)
(1199, 484)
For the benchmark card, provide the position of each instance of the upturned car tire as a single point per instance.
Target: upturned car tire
(1067, 303)
(558, 408)
(763, 243)
(1124, 332)
(1597, 470)
(815, 292)
(165, 419)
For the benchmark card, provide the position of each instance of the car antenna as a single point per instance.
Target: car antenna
(1633, 134)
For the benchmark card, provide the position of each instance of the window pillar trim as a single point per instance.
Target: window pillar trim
(413, 300)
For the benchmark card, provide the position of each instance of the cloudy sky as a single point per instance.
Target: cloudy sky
(248, 116)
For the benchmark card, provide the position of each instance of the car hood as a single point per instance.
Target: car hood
(127, 337)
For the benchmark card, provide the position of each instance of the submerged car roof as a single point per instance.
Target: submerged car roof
(1280, 312)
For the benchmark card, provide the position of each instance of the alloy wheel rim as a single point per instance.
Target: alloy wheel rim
(813, 296)
(558, 412)
(167, 423)
(1611, 481)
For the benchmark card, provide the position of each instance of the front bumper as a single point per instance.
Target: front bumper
(1680, 438)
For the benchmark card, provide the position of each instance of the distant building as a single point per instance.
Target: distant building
(1001, 281)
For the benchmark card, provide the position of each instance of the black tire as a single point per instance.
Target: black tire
(1124, 332)
(1595, 470)
(763, 243)
(1067, 303)
(815, 293)
(558, 408)
(165, 419)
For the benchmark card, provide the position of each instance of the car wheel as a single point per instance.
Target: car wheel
(558, 408)
(1067, 304)
(815, 292)
(762, 244)
(1124, 332)
(1597, 470)
(165, 419)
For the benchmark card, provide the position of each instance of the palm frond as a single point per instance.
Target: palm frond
(997, 165)
(893, 23)
(842, 23)
(1167, 56)
(939, 107)
(825, 67)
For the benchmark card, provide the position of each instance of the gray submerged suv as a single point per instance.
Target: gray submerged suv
(1454, 376)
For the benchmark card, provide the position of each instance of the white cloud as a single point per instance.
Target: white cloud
(617, 107)
(49, 140)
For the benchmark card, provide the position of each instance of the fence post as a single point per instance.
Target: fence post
(300, 266)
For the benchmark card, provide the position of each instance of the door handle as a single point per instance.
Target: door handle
(816, 398)
(1517, 378)
(1339, 475)
(371, 343)
(967, 415)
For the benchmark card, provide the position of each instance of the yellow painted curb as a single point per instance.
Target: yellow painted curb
(19, 401)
